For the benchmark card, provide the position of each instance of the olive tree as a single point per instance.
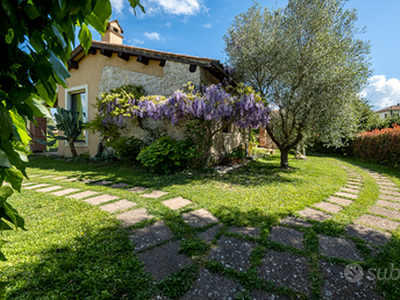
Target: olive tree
(309, 64)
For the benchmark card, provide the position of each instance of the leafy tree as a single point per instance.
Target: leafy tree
(70, 124)
(306, 60)
(36, 40)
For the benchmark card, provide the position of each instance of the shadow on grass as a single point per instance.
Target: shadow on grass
(256, 173)
(99, 264)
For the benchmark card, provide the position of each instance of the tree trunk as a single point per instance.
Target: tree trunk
(285, 158)
(73, 150)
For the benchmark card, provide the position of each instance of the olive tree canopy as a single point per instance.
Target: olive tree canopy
(308, 63)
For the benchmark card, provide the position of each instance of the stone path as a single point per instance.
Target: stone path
(278, 254)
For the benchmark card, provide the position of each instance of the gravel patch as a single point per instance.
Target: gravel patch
(286, 269)
(369, 234)
(232, 253)
(199, 218)
(211, 286)
(287, 236)
(337, 287)
(339, 247)
(150, 235)
(164, 260)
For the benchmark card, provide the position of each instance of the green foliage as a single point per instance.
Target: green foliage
(127, 148)
(37, 39)
(70, 123)
(307, 62)
(110, 131)
(194, 246)
(166, 155)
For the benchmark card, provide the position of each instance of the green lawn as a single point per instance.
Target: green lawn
(73, 250)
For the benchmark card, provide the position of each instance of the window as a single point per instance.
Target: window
(385, 116)
(76, 99)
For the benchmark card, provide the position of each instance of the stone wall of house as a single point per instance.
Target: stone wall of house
(223, 142)
(176, 75)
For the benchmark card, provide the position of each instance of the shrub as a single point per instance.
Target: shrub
(166, 155)
(379, 146)
(127, 148)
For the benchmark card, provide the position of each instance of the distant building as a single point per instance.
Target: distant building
(389, 112)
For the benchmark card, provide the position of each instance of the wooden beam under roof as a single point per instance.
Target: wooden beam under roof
(123, 55)
(92, 51)
(106, 52)
(162, 63)
(143, 59)
(73, 64)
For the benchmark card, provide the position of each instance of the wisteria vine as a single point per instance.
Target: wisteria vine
(212, 103)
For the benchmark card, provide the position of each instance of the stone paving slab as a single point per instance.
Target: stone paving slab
(313, 214)
(386, 183)
(329, 207)
(101, 199)
(82, 195)
(286, 269)
(356, 184)
(287, 236)
(210, 233)
(386, 189)
(348, 190)
(199, 218)
(379, 222)
(150, 235)
(387, 197)
(49, 189)
(101, 183)
(353, 186)
(263, 295)
(385, 212)
(120, 185)
(164, 260)
(176, 203)
(137, 189)
(70, 179)
(354, 181)
(35, 175)
(211, 286)
(65, 192)
(341, 201)
(391, 192)
(346, 195)
(250, 231)
(117, 206)
(28, 183)
(295, 222)
(88, 181)
(339, 247)
(134, 216)
(393, 205)
(369, 234)
(233, 253)
(31, 187)
(47, 176)
(154, 194)
(59, 178)
(337, 287)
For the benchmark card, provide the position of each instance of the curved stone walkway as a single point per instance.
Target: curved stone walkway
(251, 263)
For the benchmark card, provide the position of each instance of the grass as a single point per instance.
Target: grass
(72, 250)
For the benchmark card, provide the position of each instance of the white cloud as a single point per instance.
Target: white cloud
(208, 25)
(135, 42)
(153, 36)
(117, 5)
(381, 92)
(180, 7)
(168, 24)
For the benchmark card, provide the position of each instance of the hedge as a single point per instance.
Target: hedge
(381, 146)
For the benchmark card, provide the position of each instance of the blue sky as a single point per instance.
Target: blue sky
(196, 27)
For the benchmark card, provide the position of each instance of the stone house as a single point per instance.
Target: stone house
(389, 112)
(110, 64)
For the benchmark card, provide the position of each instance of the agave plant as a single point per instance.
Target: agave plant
(69, 122)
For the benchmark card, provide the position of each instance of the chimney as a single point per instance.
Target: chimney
(113, 33)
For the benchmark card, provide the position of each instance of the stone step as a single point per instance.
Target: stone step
(82, 195)
(49, 189)
(388, 204)
(117, 206)
(313, 214)
(101, 199)
(348, 190)
(341, 201)
(385, 212)
(176, 203)
(36, 186)
(65, 192)
(134, 216)
(388, 197)
(329, 207)
(369, 234)
(346, 195)
(295, 222)
(137, 189)
(378, 222)
(154, 194)
(199, 218)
